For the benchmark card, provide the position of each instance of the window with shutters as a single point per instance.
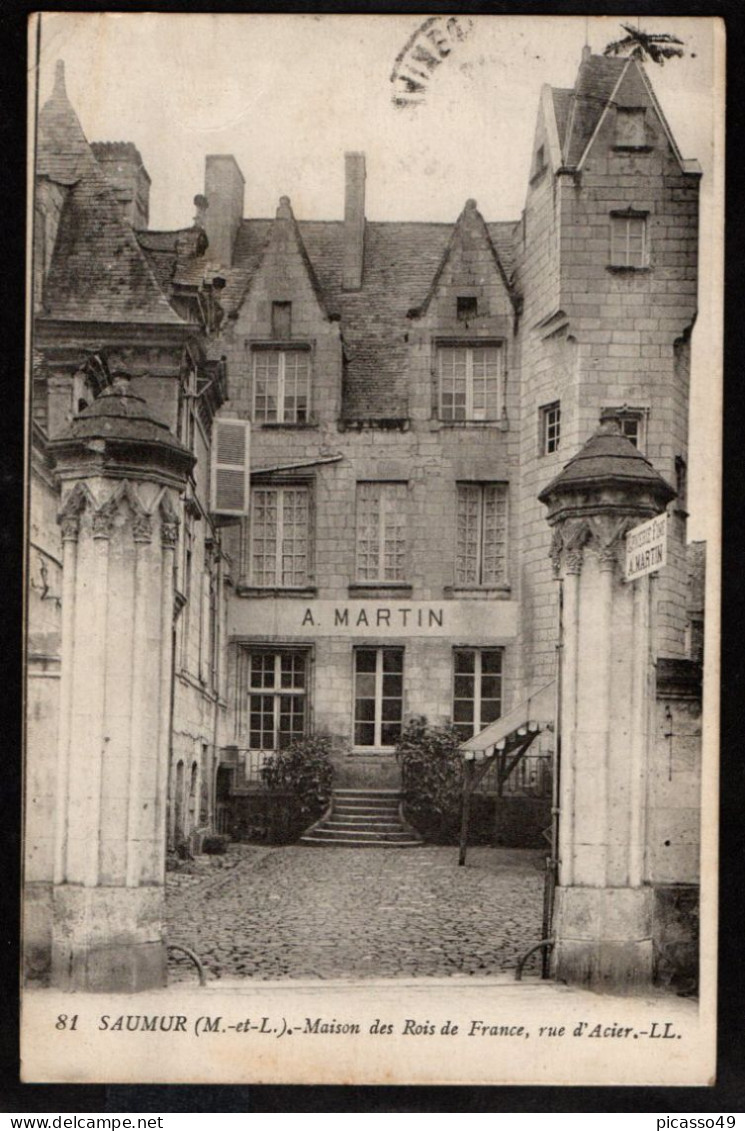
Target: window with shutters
(281, 386)
(628, 240)
(229, 484)
(381, 532)
(477, 689)
(470, 382)
(481, 551)
(277, 691)
(378, 697)
(279, 541)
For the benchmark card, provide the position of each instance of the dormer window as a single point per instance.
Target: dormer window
(282, 321)
(471, 381)
(467, 308)
(281, 385)
(631, 131)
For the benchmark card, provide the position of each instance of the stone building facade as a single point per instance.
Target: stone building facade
(400, 393)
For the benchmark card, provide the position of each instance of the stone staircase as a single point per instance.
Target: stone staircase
(363, 818)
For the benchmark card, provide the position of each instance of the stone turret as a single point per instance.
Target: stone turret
(604, 902)
(121, 471)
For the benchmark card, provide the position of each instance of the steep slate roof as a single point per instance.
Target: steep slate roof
(98, 271)
(596, 81)
(401, 261)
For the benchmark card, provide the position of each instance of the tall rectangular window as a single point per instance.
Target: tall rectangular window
(470, 382)
(628, 240)
(378, 696)
(281, 386)
(381, 531)
(279, 536)
(550, 428)
(481, 553)
(277, 698)
(477, 689)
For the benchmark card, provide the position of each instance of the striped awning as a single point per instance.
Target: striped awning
(510, 731)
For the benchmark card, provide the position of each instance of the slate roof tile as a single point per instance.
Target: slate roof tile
(595, 83)
(98, 271)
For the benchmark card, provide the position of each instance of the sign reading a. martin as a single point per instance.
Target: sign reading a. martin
(478, 622)
(646, 547)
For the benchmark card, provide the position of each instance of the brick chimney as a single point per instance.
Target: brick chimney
(224, 185)
(354, 221)
(128, 177)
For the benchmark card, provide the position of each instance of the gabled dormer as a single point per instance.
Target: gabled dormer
(468, 318)
(292, 351)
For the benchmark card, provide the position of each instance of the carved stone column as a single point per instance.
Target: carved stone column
(602, 924)
(121, 471)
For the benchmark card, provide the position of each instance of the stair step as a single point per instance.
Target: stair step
(324, 836)
(364, 811)
(360, 830)
(317, 842)
(358, 822)
(366, 792)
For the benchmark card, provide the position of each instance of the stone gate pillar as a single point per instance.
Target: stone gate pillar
(121, 472)
(603, 910)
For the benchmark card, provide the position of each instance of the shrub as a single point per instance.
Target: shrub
(215, 845)
(432, 777)
(303, 769)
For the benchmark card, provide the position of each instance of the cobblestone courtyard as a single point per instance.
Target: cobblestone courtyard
(302, 912)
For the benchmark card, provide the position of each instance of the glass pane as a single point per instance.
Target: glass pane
(465, 661)
(390, 733)
(490, 710)
(491, 687)
(392, 710)
(365, 686)
(393, 660)
(365, 660)
(364, 710)
(464, 685)
(364, 734)
(392, 685)
(491, 662)
(463, 710)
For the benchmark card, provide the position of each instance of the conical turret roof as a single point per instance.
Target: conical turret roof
(608, 459)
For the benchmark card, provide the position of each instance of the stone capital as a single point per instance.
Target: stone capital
(142, 528)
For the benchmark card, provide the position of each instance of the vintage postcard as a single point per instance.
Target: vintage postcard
(374, 384)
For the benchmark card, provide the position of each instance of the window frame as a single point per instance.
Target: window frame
(280, 490)
(478, 676)
(471, 347)
(483, 488)
(639, 416)
(276, 691)
(549, 444)
(386, 507)
(378, 722)
(282, 351)
(620, 261)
